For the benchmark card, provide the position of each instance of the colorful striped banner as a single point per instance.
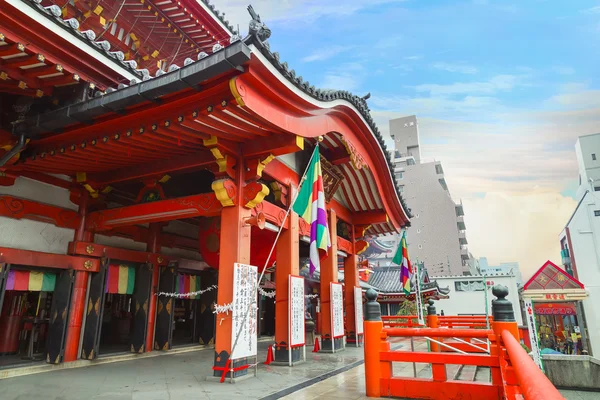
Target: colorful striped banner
(185, 283)
(120, 279)
(33, 281)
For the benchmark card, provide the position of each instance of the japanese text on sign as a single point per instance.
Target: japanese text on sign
(535, 348)
(337, 310)
(244, 296)
(358, 310)
(296, 313)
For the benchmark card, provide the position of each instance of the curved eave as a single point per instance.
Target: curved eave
(61, 42)
(270, 95)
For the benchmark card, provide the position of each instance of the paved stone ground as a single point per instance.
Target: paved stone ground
(177, 376)
(184, 375)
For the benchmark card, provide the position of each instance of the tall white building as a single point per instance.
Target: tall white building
(580, 240)
(437, 234)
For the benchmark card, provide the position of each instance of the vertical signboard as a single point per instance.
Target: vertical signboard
(358, 312)
(535, 347)
(296, 312)
(337, 310)
(244, 306)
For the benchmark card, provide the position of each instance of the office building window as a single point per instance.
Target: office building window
(597, 213)
(594, 156)
(596, 188)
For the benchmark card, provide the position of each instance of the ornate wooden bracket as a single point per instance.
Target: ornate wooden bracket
(361, 246)
(254, 194)
(280, 192)
(256, 167)
(360, 230)
(152, 190)
(225, 162)
(225, 191)
(13, 207)
(81, 177)
(357, 159)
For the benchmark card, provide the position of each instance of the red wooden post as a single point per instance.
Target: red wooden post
(79, 288)
(373, 327)
(438, 370)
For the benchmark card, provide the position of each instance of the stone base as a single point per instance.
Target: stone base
(282, 355)
(354, 341)
(338, 345)
(222, 361)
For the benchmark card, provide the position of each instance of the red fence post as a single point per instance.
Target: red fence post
(373, 327)
(438, 371)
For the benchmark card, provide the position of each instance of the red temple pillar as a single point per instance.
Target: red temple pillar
(350, 283)
(288, 260)
(329, 273)
(235, 248)
(79, 288)
(153, 246)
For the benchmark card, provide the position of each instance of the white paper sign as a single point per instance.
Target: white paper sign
(533, 337)
(244, 296)
(296, 311)
(358, 310)
(337, 310)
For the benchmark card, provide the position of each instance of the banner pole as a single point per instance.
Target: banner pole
(303, 178)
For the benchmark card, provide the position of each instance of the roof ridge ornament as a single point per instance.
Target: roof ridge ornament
(257, 29)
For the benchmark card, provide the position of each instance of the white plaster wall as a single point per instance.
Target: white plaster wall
(37, 191)
(32, 235)
(585, 238)
(474, 302)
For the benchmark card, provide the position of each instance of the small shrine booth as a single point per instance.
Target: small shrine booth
(559, 318)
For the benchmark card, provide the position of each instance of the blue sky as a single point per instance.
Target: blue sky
(501, 89)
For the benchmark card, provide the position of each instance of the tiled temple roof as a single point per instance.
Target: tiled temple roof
(71, 25)
(387, 280)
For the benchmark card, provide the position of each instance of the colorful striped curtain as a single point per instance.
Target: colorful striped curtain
(120, 279)
(185, 283)
(33, 281)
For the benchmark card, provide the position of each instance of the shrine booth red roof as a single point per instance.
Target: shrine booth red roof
(552, 284)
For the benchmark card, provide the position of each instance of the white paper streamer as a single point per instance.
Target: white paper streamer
(190, 294)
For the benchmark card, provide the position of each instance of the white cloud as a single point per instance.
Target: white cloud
(592, 10)
(494, 85)
(326, 53)
(460, 68)
(347, 76)
(412, 58)
(522, 227)
(563, 70)
(302, 11)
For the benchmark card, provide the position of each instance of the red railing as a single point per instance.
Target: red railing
(467, 321)
(513, 373)
(408, 321)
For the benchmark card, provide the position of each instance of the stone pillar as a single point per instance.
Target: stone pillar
(329, 273)
(235, 248)
(351, 282)
(79, 287)
(288, 260)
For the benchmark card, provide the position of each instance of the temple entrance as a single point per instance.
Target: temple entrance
(117, 323)
(29, 297)
(117, 312)
(267, 316)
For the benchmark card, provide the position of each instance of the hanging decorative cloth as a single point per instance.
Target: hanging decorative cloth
(120, 279)
(32, 281)
(186, 283)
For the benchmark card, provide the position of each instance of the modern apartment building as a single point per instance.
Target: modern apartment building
(580, 240)
(437, 234)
